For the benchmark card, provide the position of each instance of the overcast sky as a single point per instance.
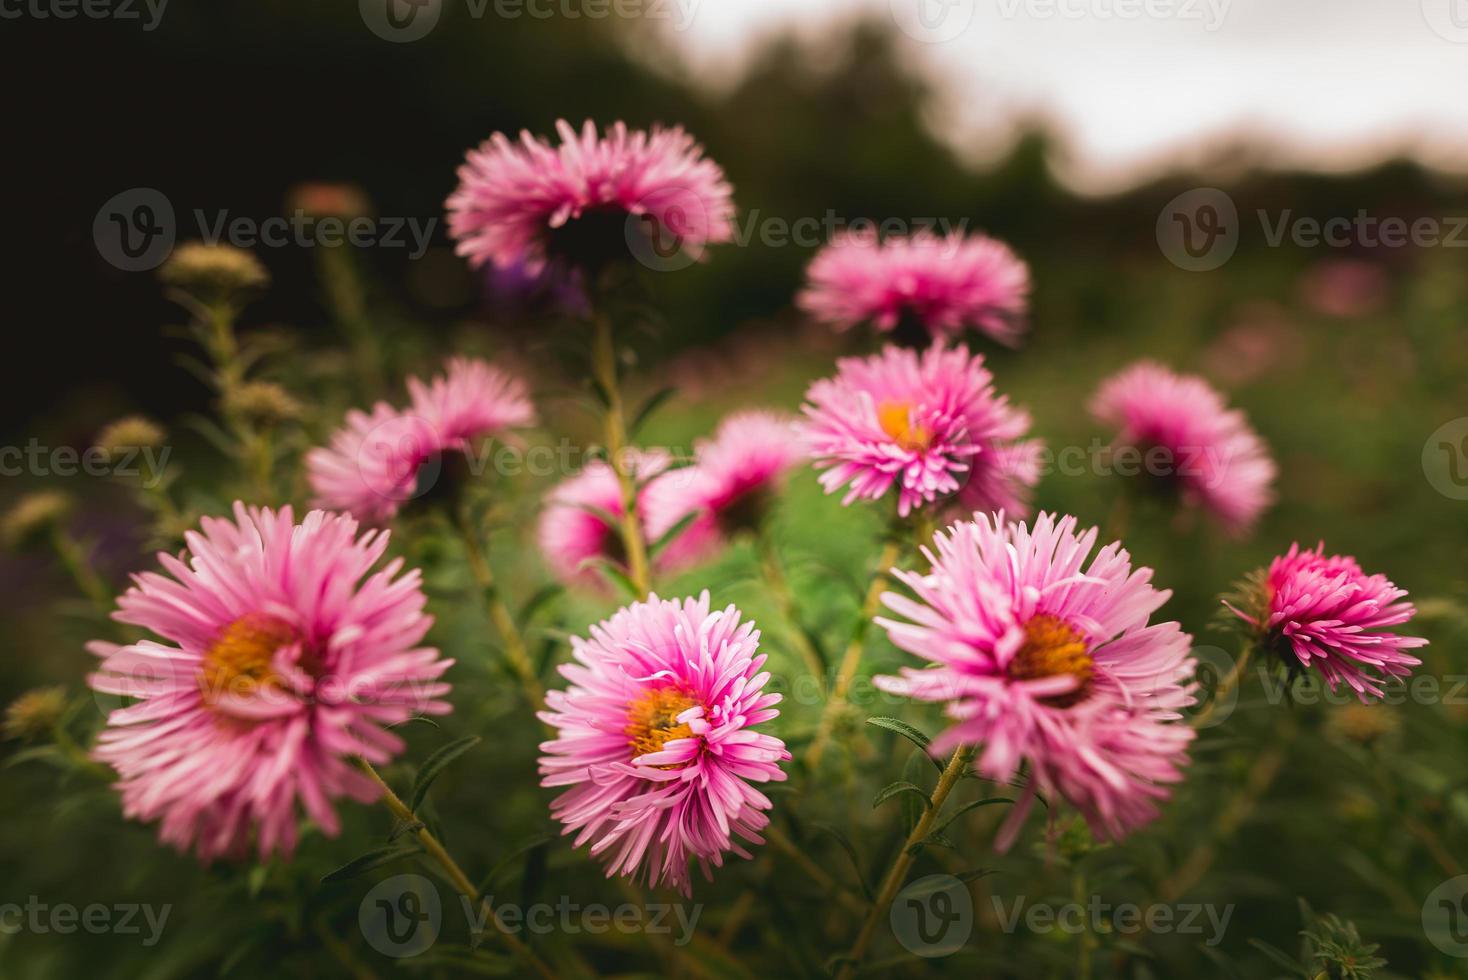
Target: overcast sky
(1136, 86)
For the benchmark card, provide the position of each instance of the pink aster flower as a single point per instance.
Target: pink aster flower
(1318, 610)
(655, 740)
(923, 285)
(526, 202)
(1181, 432)
(574, 529)
(377, 462)
(730, 486)
(1043, 657)
(281, 654)
(928, 422)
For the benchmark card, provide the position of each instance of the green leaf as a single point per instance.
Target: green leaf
(897, 788)
(613, 572)
(435, 764)
(375, 858)
(536, 602)
(1279, 957)
(492, 878)
(908, 732)
(850, 850)
(935, 839)
(966, 808)
(463, 959)
(671, 534)
(653, 403)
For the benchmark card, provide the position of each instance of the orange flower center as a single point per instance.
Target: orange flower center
(896, 420)
(1051, 648)
(238, 662)
(652, 720)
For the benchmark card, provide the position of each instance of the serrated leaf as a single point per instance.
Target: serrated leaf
(850, 850)
(908, 732)
(895, 789)
(375, 858)
(435, 764)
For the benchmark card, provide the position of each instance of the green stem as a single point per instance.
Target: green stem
(604, 363)
(774, 572)
(516, 651)
(851, 659)
(74, 559)
(892, 883)
(456, 876)
(1225, 686)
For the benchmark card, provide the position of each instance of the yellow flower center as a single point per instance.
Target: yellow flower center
(1051, 648)
(652, 720)
(238, 662)
(896, 420)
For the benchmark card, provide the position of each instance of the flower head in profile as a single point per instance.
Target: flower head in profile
(928, 423)
(1186, 440)
(589, 199)
(729, 488)
(922, 287)
(378, 461)
(1321, 611)
(656, 743)
(578, 525)
(280, 654)
(1044, 654)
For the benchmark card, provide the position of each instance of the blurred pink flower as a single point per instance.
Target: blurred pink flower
(942, 285)
(1345, 288)
(375, 463)
(522, 203)
(928, 422)
(730, 486)
(655, 740)
(1318, 610)
(1041, 658)
(283, 656)
(574, 529)
(1189, 440)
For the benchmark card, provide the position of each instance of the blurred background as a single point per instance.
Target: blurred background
(1159, 166)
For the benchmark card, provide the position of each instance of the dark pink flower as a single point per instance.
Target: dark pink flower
(941, 285)
(282, 656)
